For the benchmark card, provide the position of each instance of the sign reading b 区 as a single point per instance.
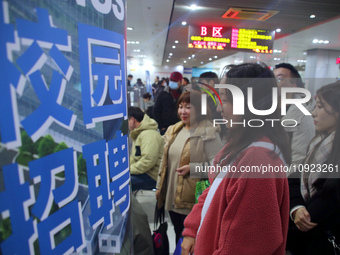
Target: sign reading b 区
(227, 38)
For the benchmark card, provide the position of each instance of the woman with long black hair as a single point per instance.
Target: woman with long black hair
(315, 197)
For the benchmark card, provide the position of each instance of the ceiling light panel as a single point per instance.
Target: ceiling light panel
(249, 14)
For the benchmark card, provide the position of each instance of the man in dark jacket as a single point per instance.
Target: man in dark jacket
(129, 79)
(160, 87)
(164, 110)
(175, 85)
(154, 85)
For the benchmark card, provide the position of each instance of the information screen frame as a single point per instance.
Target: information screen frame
(231, 38)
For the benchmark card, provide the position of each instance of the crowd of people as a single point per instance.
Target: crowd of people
(242, 212)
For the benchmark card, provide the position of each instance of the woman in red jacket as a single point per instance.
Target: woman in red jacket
(245, 213)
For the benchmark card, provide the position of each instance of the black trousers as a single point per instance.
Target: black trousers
(177, 220)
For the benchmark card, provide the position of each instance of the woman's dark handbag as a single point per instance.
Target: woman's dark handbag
(159, 236)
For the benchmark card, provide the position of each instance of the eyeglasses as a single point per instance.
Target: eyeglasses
(280, 80)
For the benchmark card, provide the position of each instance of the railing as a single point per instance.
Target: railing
(135, 96)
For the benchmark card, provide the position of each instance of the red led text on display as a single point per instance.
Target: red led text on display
(227, 38)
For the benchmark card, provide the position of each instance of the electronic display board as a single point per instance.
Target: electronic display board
(230, 38)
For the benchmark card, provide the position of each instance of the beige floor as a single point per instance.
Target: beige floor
(147, 200)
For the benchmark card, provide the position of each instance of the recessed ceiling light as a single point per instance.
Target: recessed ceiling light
(315, 41)
(193, 55)
(129, 28)
(189, 57)
(278, 30)
(133, 42)
(305, 53)
(174, 47)
(193, 7)
(184, 23)
(312, 16)
(176, 41)
(201, 62)
(170, 54)
(184, 61)
(167, 60)
(137, 50)
(137, 42)
(326, 42)
(210, 59)
(215, 57)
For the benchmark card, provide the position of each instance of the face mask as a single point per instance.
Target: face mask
(173, 85)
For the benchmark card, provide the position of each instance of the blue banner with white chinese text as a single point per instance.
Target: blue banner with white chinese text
(64, 171)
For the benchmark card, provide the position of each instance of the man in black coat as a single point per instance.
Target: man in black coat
(164, 110)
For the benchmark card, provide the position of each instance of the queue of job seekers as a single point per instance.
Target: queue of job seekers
(295, 210)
